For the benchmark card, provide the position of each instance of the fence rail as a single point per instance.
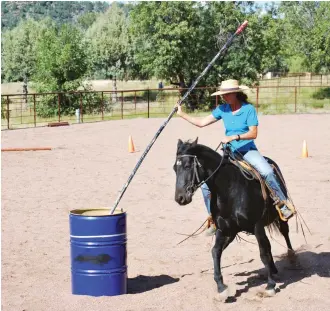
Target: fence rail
(40, 109)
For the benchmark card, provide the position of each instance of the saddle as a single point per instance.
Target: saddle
(245, 167)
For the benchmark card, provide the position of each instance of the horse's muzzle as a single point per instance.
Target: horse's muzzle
(183, 198)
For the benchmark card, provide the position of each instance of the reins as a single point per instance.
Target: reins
(194, 186)
(194, 233)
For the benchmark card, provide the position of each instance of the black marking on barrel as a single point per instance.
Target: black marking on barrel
(98, 260)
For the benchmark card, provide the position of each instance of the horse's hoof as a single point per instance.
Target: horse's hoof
(266, 293)
(270, 292)
(222, 296)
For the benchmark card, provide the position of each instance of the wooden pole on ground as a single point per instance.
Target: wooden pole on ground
(27, 149)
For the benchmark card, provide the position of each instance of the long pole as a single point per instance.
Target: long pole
(223, 49)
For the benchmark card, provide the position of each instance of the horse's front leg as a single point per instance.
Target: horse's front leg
(221, 242)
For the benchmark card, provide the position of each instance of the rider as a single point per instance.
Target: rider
(241, 124)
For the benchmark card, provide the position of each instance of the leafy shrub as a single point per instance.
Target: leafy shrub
(322, 93)
(92, 103)
(152, 95)
(4, 103)
(47, 105)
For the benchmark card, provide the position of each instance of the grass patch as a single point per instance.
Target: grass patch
(317, 105)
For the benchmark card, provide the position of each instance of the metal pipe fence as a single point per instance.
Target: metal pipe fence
(40, 109)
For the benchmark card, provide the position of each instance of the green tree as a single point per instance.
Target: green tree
(19, 49)
(176, 40)
(306, 34)
(263, 42)
(61, 64)
(86, 20)
(108, 42)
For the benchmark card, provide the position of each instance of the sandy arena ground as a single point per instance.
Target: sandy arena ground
(88, 167)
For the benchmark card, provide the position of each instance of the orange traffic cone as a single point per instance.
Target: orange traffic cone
(304, 150)
(130, 144)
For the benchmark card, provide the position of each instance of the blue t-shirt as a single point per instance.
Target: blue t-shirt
(238, 124)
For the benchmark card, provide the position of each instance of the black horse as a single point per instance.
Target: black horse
(237, 204)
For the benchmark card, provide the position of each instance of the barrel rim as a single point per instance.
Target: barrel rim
(80, 211)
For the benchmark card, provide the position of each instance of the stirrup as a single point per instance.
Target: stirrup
(280, 213)
(209, 221)
(210, 228)
(289, 206)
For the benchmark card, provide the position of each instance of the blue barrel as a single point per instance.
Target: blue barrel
(98, 252)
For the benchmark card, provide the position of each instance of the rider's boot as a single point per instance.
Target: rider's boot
(284, 207)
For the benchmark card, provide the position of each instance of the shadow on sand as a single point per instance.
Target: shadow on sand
(143, 283)
(307, 264)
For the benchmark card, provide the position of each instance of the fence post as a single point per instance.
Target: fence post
(8, 113)
(148, 104)
(21, 112)
(81, 110)
(59, 107)
(295, 99)
(135, 101)
(34, 110)
(257, 99)
(102, 106)
(216, 100)
(122, 105)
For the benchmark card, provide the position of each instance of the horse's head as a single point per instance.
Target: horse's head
(188, 171)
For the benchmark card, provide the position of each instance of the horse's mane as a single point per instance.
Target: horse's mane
(190, 147)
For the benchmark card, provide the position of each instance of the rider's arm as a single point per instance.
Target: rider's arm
(251, 134)
(200, 122)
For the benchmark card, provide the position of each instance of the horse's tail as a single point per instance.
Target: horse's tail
(274, 227)
(271, 220)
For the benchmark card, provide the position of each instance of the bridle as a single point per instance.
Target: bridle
(191, 189)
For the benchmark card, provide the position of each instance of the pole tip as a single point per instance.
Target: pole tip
(242, 27)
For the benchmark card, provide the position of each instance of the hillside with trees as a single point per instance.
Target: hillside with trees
(57, 45)
(12, 12)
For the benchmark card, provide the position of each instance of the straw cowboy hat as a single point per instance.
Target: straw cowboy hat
(230, 86)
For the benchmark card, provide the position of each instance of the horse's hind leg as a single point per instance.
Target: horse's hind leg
(221, 242)
(284, 229)
(266, 257)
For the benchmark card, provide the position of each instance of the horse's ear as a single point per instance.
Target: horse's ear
(180, 142)
(194, 143)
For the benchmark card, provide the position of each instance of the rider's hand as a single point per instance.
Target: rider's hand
(179, 109)
(228, 139)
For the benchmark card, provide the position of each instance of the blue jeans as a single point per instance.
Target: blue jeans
(207, 197)
(262, 166)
